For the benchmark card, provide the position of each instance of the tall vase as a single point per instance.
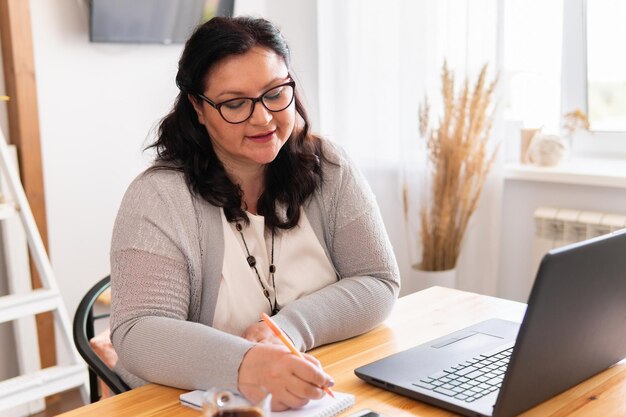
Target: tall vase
(427, 279)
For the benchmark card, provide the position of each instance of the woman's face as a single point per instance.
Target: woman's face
(255, 142)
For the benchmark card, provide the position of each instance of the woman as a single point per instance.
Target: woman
(244, 211)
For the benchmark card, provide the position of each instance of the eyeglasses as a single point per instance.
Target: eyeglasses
(238, 110)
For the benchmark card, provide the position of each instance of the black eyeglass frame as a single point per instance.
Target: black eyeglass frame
(259, 99)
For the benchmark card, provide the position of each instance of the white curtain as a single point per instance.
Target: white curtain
(377, 60)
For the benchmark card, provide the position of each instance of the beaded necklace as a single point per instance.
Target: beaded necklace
(272, 269)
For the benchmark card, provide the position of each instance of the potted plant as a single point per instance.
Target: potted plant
(459, 160)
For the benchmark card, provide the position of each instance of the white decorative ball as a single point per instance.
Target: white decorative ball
(547, 150)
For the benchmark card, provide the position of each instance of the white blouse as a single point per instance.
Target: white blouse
(302, 268)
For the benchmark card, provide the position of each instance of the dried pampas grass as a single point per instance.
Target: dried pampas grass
(459, 161)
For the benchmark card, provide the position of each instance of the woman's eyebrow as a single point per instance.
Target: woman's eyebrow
(237, 93)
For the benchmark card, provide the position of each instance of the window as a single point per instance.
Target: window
(545, 63)
(606, 65)
(585, 48)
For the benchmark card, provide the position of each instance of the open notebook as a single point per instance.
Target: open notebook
(325, 407)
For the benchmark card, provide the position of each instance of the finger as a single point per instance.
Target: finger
(312, 359)
(305, 390)
(278, 405)
(310, 373)
(291, 399)
(275, 341)
(318, 364)
(247, 334)
(252, 337)
(271, 341)
(257, 335)
(254, 330)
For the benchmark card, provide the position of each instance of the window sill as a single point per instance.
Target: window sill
(598, 172)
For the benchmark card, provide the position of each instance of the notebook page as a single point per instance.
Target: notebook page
(324, 407)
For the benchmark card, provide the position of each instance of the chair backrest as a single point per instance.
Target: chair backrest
(83, 332)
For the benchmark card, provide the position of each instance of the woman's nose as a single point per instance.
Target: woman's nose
(260, 115)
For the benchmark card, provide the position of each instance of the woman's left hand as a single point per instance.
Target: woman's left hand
(260, 333)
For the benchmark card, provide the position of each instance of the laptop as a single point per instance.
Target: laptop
(574, 328)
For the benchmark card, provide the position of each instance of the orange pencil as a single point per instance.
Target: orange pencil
(283, 338)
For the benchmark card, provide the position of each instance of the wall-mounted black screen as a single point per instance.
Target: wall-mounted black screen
(151, 21)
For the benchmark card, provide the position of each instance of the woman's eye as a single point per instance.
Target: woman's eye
(234, 104)
(274, 94)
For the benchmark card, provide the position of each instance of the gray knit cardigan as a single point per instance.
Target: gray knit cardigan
(166, 267)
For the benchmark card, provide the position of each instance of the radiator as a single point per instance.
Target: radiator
(556, 227)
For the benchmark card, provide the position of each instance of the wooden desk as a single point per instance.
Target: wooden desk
(416, 319)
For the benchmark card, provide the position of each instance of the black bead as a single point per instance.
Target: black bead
(251, 260)
(272, 268)
(266, 293)
(238, 227)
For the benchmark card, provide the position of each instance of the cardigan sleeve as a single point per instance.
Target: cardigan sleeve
(154, 238)
(369, 280)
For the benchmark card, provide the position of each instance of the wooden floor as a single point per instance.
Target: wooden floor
(60, 403)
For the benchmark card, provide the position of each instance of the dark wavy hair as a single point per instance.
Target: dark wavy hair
(183, 144)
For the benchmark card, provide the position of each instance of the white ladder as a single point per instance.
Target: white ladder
(34, 383)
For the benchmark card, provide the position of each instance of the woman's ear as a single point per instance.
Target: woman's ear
(197, 107)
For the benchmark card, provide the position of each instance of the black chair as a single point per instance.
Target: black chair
(83, 332)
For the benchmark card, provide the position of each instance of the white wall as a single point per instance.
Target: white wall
(520, 199)
(97, 104)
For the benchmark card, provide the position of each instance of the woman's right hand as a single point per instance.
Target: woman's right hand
(293, 381)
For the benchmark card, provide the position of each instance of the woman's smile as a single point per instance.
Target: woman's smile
(263, 137)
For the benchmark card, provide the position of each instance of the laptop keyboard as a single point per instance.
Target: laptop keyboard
(472, 379)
